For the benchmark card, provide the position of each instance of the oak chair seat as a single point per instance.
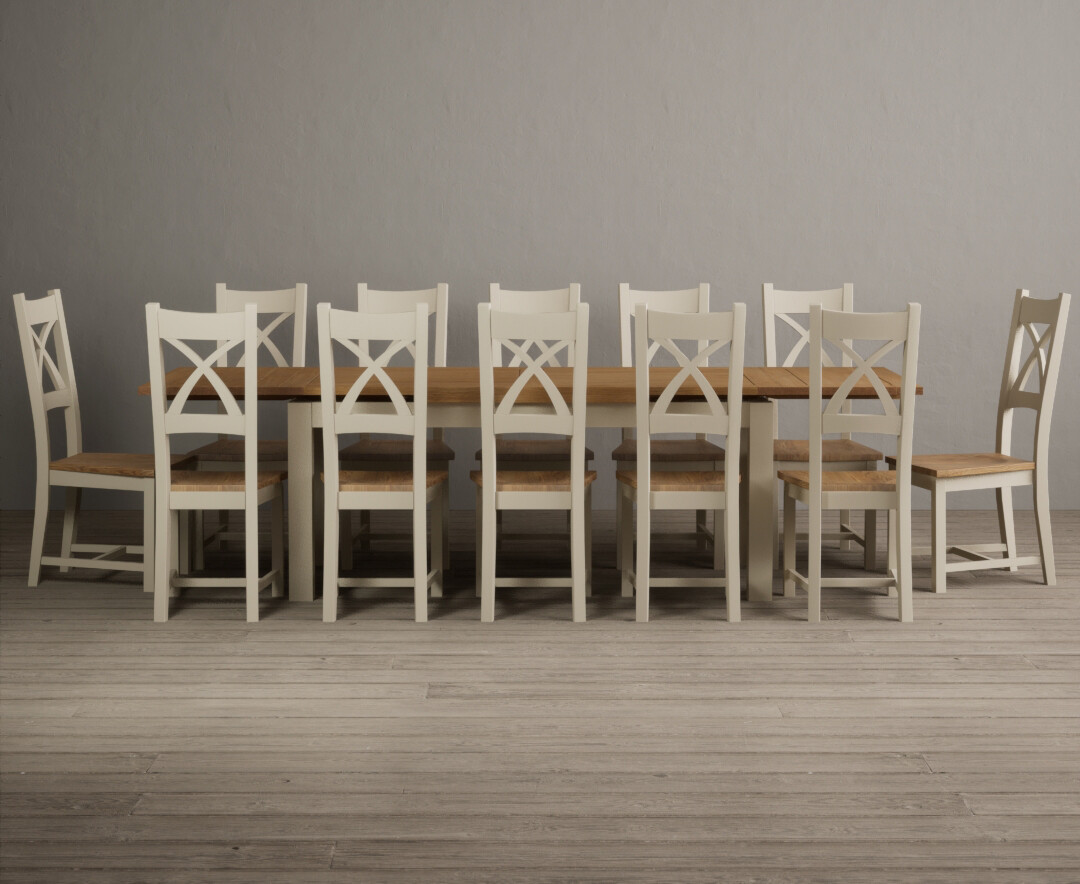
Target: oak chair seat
(135, 466)
(531, 450)
(387, 480)
(232, 451)
(670, 450)
(676, 480)
(832, 451)
(531, 480)
(951, 466)
(219, 480)
(843, 480)
(395, 450)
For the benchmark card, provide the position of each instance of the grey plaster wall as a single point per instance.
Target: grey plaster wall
(921, 150)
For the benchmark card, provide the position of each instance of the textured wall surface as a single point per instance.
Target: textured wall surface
(924, 151)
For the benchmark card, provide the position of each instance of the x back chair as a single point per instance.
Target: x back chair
(553, 489)
(398, 489)
(702, 489)
(1042, 322)
(667, 454)
(889, 490)
(841, 453)
(41, 322)
(384, 453)
(534, 454)
(187, 490)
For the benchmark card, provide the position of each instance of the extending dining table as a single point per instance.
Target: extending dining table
(454, 401)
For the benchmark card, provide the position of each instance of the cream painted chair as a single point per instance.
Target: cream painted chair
(871, 489)
(274, 309)
(568, 488)
(401, 489)
(396, 453)
(705, 413)
(1042, 322)
(186, 490)
(42, 322)
(842, 452)
(667, 454)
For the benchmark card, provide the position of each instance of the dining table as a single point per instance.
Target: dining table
(454, 402)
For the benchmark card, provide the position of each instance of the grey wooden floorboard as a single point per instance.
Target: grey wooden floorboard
(534, 749)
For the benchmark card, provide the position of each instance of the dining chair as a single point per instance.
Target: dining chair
(792, 309)
(697, 453)
(274, 309)
(698, 409)
(871, 489)
(42, 326)
(566, 488)
(186, 490)
(1042, 323)
(414, 488)
(382, 453)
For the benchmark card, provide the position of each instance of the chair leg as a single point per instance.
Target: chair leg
(72, 498)
(438, 539)
(164, 525)
(1042, 525)
(251, 561)
(892, 554)
(903, 587)
(1006, 523)
(588, 542)
(277, 544)
(938, 546)
(479, 538)
(813, 570)
(870, 540)
(487, 565)
(330, 559)
(37, 539)
(845, 519)
(626, 528)
(641, 569)
(578, 518)
(419, 546)
(149, 537)
(732, 567)
(789, 545)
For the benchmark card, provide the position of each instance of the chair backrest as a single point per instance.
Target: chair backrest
(434, 300)
(549, 334)
(390, 412)
(846, 330)
(279, 305)
(551, 301)
(39, 322)
(658, 331)
(694, 300)
(222, 333)
(785, 306)
(1042, 323)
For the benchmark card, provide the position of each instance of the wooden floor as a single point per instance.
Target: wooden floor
(688, 749)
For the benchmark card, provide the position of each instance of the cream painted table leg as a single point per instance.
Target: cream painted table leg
(301, 499)
(759, 479)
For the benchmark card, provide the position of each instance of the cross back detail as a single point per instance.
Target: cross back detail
(534, 367)
(661, 418)
(204, 367)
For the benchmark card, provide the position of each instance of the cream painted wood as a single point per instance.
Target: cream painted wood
(436, 302)
(654, 331)
(236, 417)
(787, 307)
(695, 300)
(551, 334)
(842, 329)
(401, 332)
(1039, 327)
(39, 322)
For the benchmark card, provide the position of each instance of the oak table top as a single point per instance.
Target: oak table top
(460, 385)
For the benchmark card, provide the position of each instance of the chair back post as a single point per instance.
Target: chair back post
(283, 303)
(48, 312)
(579, 346)
(548, 301)
(1045, 358)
